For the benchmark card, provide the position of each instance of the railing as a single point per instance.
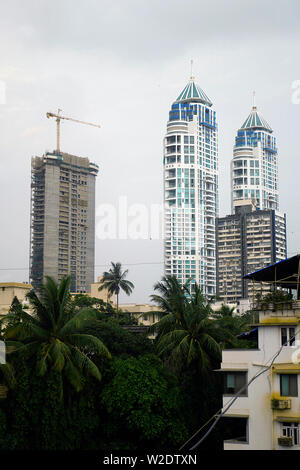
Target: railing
(274, 306)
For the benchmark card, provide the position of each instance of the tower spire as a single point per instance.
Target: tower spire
(192, 78)
(254, 100)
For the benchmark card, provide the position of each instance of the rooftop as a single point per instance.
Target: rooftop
(192, 92)
(256, 121)
(285, 273)
(22, 285)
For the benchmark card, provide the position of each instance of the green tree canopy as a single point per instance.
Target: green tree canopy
(52, 336)
(145, 402)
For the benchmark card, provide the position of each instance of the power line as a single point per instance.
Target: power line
(96, 265)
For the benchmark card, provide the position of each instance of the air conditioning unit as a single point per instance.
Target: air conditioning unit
(278, 404)
(285, 441)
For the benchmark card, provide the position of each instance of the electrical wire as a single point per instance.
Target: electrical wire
(96, 265)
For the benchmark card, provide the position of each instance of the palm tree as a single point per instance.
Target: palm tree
(230, 326)
(172, 296)
(225, 311)
(187, 334)
(53, 334)
(114, 281)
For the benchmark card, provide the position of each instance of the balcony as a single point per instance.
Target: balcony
(279, 313)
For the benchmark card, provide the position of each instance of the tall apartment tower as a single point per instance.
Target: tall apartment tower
(248, 240)
(63, 219)
(254, 168)
(191, 189)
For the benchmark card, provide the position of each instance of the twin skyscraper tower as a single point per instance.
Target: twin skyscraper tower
(199, 245)
(196, 246)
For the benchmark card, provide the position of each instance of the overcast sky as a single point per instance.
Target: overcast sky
(121, 63)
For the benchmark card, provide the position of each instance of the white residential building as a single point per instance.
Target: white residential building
(268, 409)
(191, 189)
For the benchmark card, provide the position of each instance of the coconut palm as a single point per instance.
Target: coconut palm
(53, 334)
(114, 281)
(172, 295)
(174, 299)
(187, 334)
(230, 326)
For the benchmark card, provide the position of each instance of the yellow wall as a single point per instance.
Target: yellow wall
(102, 294)
(9, 290)
(139, 309)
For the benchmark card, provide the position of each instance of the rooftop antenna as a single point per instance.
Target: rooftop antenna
(254, 101)
(192, 75)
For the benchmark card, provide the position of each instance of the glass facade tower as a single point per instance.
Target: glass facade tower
(254, 168)
(191, 189)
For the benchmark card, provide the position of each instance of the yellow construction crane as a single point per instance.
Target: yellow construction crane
(58, 118)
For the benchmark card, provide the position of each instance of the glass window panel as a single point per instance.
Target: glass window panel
(289, 385)
(283, 336)
(230, 381)
(240, 381)
(284, 385)
(292, 336)
(293, 383)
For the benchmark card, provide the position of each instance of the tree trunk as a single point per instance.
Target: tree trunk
(118, 306)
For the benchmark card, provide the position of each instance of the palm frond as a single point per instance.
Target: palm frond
(80, 319)
(89, 343)
(8, 374)
(85, 364)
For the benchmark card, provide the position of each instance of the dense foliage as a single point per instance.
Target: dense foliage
(121, 391)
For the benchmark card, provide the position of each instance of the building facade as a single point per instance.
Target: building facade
(191, 189)
(266, 411)
(63, 219)
(254, 168)
(10, 290)
(248, 240)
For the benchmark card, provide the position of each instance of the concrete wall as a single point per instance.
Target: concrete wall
(102, 294)
(264, 426)
(51, 221)
(9, 290)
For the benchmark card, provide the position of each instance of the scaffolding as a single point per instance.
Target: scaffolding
(37, 215)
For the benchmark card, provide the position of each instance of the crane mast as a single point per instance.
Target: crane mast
(58, 119)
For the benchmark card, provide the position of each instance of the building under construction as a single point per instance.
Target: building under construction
(63, 219)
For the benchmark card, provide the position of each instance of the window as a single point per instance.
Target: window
(236, 430)
(289, 385)
(234, 381)
(291, 430)
(288, 336)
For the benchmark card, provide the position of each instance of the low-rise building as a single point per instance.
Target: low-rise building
(101, 294)
(266, 379)
(144, 313)
(9, 290)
